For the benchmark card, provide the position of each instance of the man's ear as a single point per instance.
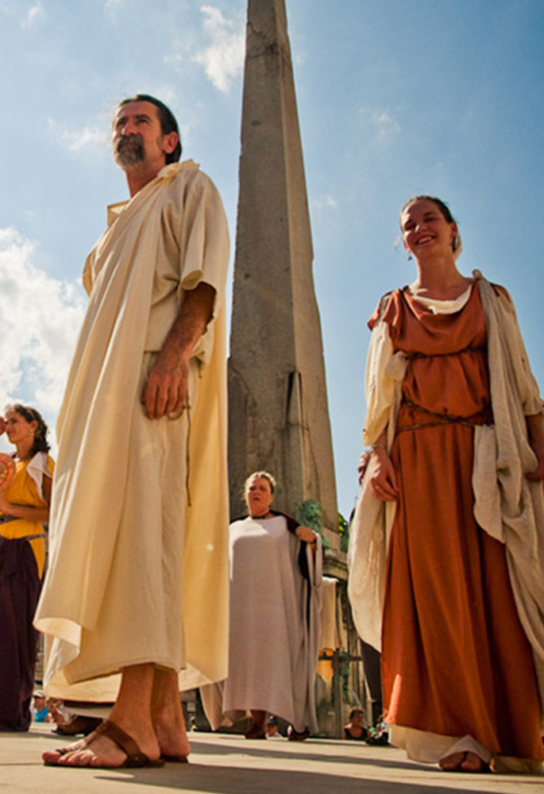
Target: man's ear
(169, 142)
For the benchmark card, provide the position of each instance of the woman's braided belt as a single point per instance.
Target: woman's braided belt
(447, 419)
(444, 419)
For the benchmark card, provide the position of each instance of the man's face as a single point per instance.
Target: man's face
(137, 135)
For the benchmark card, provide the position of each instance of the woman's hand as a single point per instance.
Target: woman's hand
(535, 430)
(306, 534)
(383, 479)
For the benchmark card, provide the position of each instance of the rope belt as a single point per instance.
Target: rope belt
(474, 349)
(441, 419)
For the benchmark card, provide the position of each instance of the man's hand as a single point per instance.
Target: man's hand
(165, 392)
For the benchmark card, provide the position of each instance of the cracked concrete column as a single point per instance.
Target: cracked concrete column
(278, 412)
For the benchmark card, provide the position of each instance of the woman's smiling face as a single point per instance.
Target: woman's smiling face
(425, 230)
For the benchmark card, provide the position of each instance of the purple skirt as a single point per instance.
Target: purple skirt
(19, 592)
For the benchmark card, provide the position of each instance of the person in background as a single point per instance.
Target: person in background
(24, 510)
(355, 729)
(275, 579)
(39, 709)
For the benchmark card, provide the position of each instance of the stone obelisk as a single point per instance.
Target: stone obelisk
(278, 412)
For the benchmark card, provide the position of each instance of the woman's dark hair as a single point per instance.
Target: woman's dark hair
(166, 118)
(356, 710)
(442, 206)
(32, 415)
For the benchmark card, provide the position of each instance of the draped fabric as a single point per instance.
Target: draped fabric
(274, 626)
(451, 630)
(119, 511)
(459, 598)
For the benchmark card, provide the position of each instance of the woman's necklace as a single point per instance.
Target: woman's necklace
(265, 515)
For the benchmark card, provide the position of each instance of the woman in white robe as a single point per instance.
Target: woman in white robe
(275, 575)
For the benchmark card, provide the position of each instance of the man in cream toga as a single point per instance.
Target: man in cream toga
(134, 602)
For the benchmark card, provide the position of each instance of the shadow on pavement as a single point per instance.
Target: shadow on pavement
(229, 780)
(258, 750)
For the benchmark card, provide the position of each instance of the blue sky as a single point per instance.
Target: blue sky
(395, 97)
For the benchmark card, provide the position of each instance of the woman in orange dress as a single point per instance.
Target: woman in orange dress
(459, 676)
(24, 508)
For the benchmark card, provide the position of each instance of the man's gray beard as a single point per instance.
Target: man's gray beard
(129, 150)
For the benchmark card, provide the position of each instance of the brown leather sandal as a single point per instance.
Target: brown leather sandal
(135, 757)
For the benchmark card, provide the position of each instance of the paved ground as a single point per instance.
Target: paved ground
(229, 764)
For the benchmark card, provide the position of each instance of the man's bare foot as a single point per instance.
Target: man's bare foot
(167, 717)
(93, 751)
(171, 733)
(107, 747)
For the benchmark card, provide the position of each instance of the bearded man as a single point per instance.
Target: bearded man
(134, 603)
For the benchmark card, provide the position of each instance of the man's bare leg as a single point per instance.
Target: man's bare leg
(167, 715)
(131, 712)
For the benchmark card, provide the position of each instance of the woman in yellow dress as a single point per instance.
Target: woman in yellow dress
(24, 509)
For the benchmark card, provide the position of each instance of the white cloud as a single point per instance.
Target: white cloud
(89, 138)
(223, 59)
(40, 319)
(325, 202)
(35, 12)
(384, 126)
(111, 6)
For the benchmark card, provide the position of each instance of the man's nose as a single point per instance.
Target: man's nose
(128, 128)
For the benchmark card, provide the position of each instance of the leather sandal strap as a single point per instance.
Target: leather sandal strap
(125, 742)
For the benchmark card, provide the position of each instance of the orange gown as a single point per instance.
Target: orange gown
(455, 658)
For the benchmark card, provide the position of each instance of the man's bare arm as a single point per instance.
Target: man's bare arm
(165, 391)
